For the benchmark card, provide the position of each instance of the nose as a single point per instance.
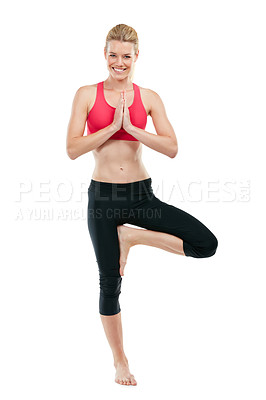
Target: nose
(119, 61)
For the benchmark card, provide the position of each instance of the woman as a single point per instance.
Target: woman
(120, 190)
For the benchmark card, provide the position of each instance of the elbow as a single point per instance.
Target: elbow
(174, 151)
(172, 155)
(71, 150)
(70, 153)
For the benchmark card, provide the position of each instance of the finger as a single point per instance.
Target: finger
(121, 103)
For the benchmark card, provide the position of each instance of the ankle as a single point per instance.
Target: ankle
(134, 237)
(120, 360)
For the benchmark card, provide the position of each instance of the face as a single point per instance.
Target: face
(120, 59)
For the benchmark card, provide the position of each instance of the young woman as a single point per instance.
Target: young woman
(120, 190)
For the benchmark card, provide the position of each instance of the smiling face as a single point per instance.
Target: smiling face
(120, 58)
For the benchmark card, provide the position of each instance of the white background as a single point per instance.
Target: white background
(193, 328)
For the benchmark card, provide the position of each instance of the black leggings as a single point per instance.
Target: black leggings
(113, 204)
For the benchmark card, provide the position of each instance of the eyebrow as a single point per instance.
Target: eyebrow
(126, 54)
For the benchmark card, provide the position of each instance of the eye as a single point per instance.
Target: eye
(128, 56)
(112, 55)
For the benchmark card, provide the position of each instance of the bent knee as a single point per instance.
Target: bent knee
(210, 246)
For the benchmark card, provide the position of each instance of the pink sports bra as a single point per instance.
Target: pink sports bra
(102, 114)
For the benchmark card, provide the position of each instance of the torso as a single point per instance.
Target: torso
(119, 161)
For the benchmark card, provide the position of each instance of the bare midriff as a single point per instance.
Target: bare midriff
(119, 161)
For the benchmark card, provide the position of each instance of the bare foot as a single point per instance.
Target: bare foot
(123, 375)
(125, 242)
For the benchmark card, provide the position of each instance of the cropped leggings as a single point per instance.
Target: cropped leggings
(113, 204)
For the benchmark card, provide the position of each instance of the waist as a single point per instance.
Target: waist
(126, 188)
(119, 171)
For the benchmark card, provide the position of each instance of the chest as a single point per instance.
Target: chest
(113, 98)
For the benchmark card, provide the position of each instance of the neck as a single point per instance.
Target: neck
(118, 85)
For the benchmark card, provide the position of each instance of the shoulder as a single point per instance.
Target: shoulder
(86, 89)
(87, 94)
(150, 97)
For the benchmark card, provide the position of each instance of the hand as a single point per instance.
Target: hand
(126, 117)
(118, 115)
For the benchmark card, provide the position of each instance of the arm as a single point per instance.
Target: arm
(165, 141)
(76, 143)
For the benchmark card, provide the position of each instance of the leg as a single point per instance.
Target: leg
(129, 237)
(162, 240)
(103, 232)
(104, 237)
(168, 228)
(156, 215)
(113, 329)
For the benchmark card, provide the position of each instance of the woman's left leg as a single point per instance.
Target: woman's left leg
(172, 229)
(129, 237)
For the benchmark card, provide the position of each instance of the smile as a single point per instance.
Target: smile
(118, 70)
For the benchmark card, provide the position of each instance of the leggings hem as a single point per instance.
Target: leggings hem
(110, 314)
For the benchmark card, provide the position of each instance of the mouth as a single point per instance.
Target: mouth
(119, 70)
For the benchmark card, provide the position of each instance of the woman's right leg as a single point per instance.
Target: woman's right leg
(103, 231)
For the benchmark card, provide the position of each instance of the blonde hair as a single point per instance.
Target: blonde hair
(123, 33)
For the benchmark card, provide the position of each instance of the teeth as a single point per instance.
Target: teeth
(118, 70)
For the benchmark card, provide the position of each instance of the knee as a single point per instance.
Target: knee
(110, 289)
(110, 285)
(210, 246)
